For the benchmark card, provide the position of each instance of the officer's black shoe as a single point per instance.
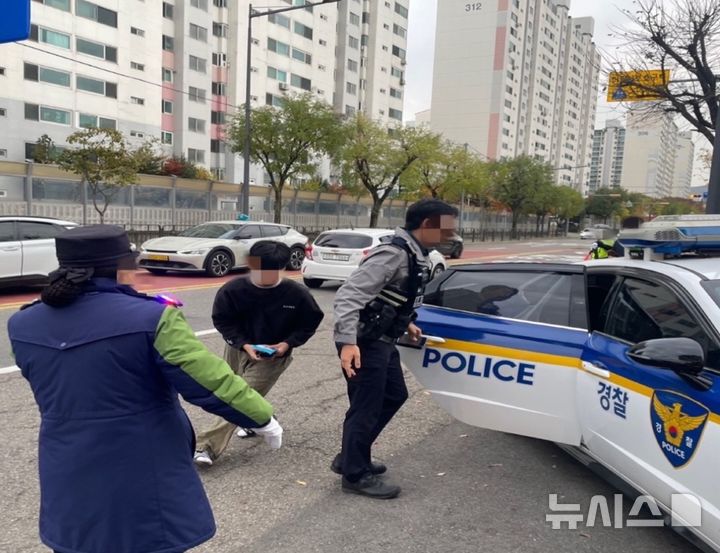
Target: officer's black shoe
(375, 468)
(371, 486)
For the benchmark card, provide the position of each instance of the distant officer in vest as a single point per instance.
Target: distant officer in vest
(602, 249)
(105, 364)
(374, 308)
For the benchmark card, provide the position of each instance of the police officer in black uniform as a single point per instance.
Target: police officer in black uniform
(373, 309)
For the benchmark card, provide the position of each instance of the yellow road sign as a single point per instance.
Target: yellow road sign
(629, 86)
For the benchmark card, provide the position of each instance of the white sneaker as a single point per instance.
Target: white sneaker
(202, 458)
(246, 433)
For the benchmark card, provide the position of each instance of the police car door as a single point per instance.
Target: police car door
(513, 336)
(648, 423)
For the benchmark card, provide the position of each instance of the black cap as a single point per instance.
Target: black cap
(93, 246)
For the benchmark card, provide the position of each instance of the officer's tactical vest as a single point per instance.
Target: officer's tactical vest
(390, 313)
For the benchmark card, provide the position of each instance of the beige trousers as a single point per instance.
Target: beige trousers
(260, 375)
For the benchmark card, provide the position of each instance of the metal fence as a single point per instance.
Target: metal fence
(158, 205)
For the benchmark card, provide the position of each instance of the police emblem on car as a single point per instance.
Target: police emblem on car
(678, 424)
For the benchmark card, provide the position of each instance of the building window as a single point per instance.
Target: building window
(97, 13)
(399, 52)
(300, 82)
(54, 38)
(220, 3)
(402, 10)
(196, 125)
(168, 43)
(272, 100)
(198, 33)
(219, 89)
(198, 64)
(167, 106)
(219, 59)
(137, 134)
(395, 72)
(137, 32)
(351, 88)
(353, 42)
(399, 31)
(302, 56)
(168, 10)
(34, 112)
(3, 112)
(276, 74)
(303, 30)
(196, 156)
(217, 146)
(87, 121)
(96, 86)
(220, 29)
(218, 173)
(137, 66)
(196, 94)
(217, 117)
(166, 137)
(63, 5)
(395, 114)
(137, 101)
(46, 75)
(352, 65)
(278, 47)
(354, 19)
(200, 4)
(396, 93)
(95, 49)
(279, 19)
(168, 75)
(349, 111)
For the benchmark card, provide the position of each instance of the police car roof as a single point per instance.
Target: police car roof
(704, 267)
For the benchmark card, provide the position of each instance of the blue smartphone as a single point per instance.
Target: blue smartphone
(264, 351)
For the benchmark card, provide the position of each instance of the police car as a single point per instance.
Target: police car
(616, 359)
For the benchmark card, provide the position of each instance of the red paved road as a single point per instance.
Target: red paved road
(145, 282)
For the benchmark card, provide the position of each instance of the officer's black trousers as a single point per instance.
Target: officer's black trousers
(376, 392)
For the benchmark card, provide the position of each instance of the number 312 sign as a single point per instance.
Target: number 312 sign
(473, 7)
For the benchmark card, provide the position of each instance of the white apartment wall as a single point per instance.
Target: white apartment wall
(684, 161)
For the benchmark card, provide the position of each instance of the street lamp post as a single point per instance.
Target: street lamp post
(245, 196)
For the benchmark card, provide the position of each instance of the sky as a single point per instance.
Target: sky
(421, 44)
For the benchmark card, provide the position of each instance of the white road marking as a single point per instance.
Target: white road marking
(199, 334)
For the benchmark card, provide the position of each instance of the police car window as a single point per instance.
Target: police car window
(645, 310)
(38, 231)
(7, 231)
(545, 297)
(344, 240)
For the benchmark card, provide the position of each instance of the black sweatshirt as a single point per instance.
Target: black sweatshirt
(246, 314)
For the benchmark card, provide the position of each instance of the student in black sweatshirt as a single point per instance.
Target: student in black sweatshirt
(259, 309)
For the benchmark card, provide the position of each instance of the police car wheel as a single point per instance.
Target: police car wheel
(457, 251)
(313, 282)
(218, 264)
(296, 259)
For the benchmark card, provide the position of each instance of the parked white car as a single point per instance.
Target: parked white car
(27, 248)
(335, 254)
(217, 247)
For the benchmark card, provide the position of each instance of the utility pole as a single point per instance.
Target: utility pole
(245, 195)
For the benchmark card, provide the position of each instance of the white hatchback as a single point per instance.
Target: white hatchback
(335, 254)
(27, 248)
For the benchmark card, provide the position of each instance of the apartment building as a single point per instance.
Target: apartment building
(608, 151)
(649, 158)
(175, 70)
(371, 59)
(517, 77)
(684, 165)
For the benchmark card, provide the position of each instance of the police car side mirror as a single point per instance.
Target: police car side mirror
(682, 355)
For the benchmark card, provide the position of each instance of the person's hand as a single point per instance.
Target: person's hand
(247, 348)
(414, 332)
(272, 433)
(280, 349)
(350, 359)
